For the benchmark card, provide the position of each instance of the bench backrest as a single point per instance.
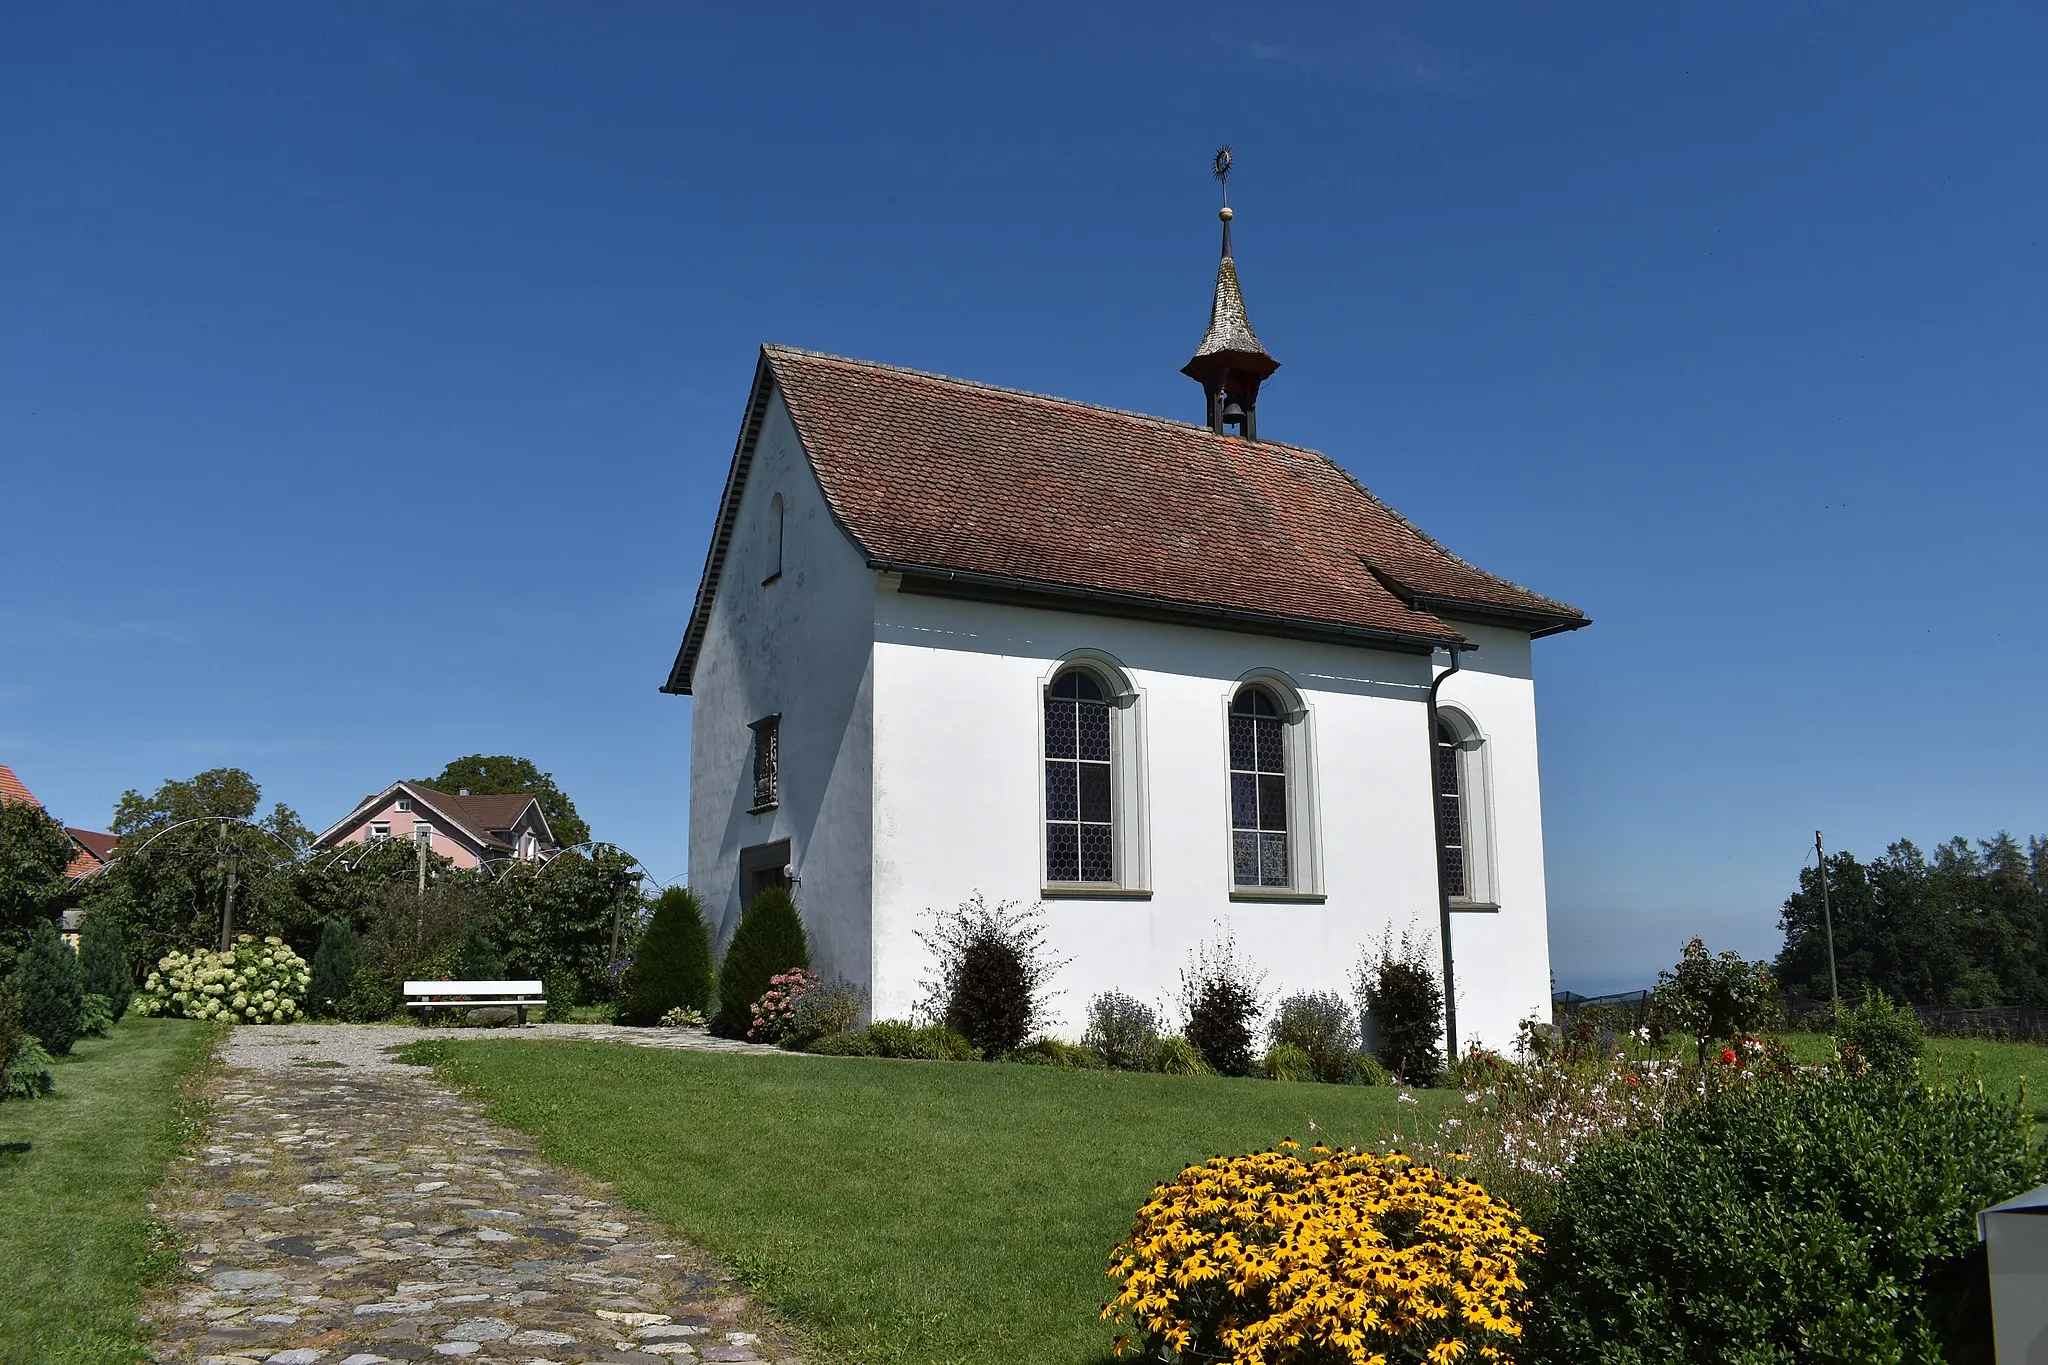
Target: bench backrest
(413, 988)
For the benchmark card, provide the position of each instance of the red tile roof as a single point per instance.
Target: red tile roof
(12, 790)
(927, 473)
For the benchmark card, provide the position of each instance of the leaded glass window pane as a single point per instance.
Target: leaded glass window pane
(1450, 800)
(1258, 791)
(1080, 842)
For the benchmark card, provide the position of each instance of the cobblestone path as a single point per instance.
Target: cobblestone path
(346, 1209)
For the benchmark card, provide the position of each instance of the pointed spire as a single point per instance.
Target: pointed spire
(1230, 364)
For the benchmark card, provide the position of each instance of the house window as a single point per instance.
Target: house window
(380, 829)
(1080, 825)
(404, 803)
(422, 833)
(1464, 809)
(1259, 852)
(767, 761)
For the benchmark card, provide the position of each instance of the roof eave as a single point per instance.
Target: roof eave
(938, 580)
(678, 683)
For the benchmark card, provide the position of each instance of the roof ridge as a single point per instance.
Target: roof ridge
(1054, 399)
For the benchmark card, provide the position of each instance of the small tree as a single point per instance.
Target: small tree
(1713, 999)
(991, 973)
(52, 990)
(1222, 997)
(103, 962)
(768, 941)
(1399, 992)
(672, 962)
(34, 851)
(335, 964)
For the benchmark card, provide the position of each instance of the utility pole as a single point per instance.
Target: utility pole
(1827, 918)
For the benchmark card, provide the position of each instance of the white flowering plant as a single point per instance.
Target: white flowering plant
(254, 982)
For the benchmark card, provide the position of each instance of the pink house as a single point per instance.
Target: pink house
(467, 830)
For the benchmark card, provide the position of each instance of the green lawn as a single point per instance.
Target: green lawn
(76, 1169)
(2005, 1067)
(904, 1211)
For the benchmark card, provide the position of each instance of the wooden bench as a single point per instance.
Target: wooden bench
(433, 995)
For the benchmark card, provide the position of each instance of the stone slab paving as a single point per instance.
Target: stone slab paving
(346, 1209)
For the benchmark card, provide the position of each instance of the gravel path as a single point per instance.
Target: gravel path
(345, 1208)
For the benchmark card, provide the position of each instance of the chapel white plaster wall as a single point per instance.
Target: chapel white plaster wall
(956, 805)
(799, 646)
(1503, 958)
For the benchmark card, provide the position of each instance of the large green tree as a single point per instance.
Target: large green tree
(509, 775)
(34, 851)
(168, 881)
(1965, 928)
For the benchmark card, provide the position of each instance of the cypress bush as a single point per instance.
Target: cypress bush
(52, 990)
(672, 963)
(478, 958)
(768, 941)
(335, 964)
(103, 961)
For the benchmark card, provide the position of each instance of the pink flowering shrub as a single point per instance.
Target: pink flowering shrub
(775, 1013)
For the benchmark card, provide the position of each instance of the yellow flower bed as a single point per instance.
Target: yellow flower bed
(1273, 1259)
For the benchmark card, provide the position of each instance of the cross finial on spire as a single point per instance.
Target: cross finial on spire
(1230, 364)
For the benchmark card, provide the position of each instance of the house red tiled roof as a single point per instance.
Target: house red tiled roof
(959, 478)
(94, 848)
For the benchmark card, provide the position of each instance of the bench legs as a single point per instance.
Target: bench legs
(522, 1016)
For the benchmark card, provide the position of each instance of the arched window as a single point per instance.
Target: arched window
(1259, 852)
(1450, 800)
(1080, 781)
(1465, 809)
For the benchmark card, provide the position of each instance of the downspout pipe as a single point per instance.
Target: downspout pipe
(1443, 878)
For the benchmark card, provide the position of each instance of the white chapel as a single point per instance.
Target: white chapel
(1168, 679)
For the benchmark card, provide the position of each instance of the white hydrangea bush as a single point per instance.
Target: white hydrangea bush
(251, 983)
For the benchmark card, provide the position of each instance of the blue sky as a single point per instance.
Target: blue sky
(368, 372)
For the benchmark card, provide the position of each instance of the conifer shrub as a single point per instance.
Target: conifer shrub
(95, 1016)
(768, 941)
(1796, 1214)
(335, 964)
(1220, 994)
(992, 967)
(1399, 991)
(1122, 1029)
(52, 990)
(12, 1034)
(1321, 1026)
(103, 961)
(1883, 1036)
(1176, 1056)
(672, 962)
(27, 1073)
(478, 958)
